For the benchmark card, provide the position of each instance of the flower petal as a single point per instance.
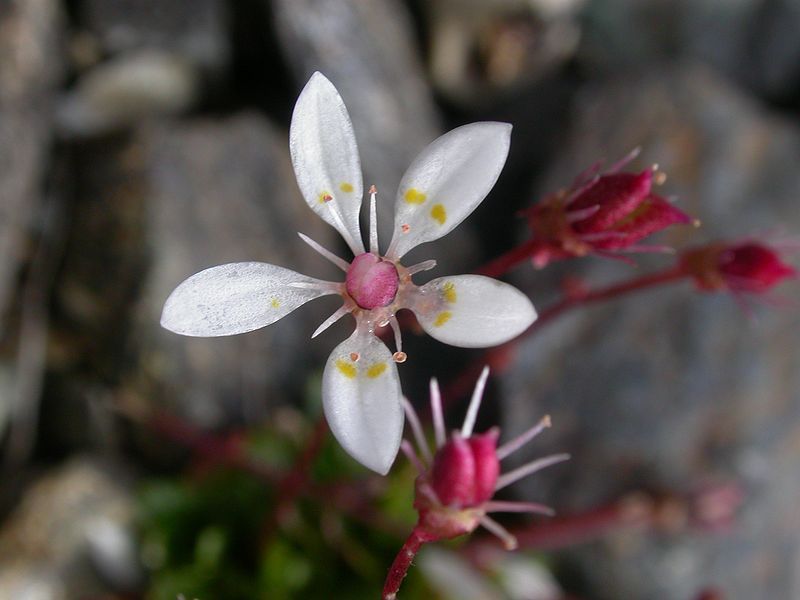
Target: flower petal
(325, 158)
(237, 298)
(446, 182)
(362, 402)
(472, 311)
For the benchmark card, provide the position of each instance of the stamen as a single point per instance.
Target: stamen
(519, 441)
(474, 404)
(373, 220)
(617, 166)
(584, 213)
(516, 507)
(525, 470)
(339, 262)
(425, 265)
(660, 177)
(399, 357)
(342, 311)
(408, 450)
(509, 541)
(416, 429)
(357, 246)
(436, 412)
(398, 337)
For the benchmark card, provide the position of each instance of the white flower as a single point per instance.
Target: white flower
(360, 385)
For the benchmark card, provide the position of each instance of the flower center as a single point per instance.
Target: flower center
(371, 281)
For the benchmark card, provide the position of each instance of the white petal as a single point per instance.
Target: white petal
(446, 182)
(362, 402)
(237, 298)
(325, 158)
(472, 311)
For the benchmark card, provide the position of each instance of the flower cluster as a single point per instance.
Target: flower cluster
(360, 384)
(456, 483)
(600, 214)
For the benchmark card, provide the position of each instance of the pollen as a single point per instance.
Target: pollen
(376, 370)
(275, 303)
(449, 292)
(442, 318)
(346, 187)
(325, 197)
(347, 369)
(439, 213)
(414, 196)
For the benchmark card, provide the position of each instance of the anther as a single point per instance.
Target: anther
(405, 228)
(354, 356)
(327, 198)
(399, 357)
(373, 189)
(659, 178)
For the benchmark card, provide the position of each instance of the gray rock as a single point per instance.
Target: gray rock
(669, 388)
(30, 35)
(126, 89)
(753, 41)
(30, 69)
(482, 51)
(49, 544)
(194, 30)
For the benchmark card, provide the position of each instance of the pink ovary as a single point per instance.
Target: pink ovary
(371, 281)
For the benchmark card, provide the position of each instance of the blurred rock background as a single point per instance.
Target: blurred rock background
(143, 140)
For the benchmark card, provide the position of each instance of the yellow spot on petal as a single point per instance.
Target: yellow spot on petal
(325, 197)
(347, 369)
(449, 291)
(346, 187)
(442, 318)
(414, 196)
(376, 369)
(439, 213)
(275, 303)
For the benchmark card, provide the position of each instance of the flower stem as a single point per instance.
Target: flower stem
(505, 262)
(399, 568)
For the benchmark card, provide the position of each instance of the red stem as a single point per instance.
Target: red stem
(503, 263)
(399, 568)
(295, 481)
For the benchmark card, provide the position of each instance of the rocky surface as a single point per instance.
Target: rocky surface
(670, 389)
(70, 537)
(752, 41)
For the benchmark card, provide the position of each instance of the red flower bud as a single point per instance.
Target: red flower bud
(465, 470)
(740, 267)
(600, 214)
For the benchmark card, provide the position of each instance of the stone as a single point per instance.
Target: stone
(672, 389)
(195, 30)
(30, 71)
(73, 523)
(752, 41)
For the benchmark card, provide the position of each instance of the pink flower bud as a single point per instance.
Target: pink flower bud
(465, 471)
(600, 214)
(740, 267)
